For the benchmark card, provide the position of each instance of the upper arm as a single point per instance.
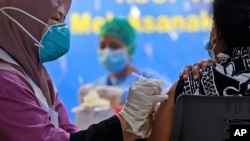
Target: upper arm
(21, 117)
(162, 126)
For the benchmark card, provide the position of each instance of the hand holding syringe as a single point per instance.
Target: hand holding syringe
(164, 91)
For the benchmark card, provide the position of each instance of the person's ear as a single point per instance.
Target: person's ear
(128, 54)
(214, 35)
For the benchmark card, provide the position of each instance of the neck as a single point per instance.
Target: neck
(127, 70)
(220, 47)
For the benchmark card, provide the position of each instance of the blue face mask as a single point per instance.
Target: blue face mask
(55, 41)
(209, 49)
(113, 60)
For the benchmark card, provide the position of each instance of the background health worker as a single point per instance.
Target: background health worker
(117, 44)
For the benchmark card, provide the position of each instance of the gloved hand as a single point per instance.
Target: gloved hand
(138, 109)
(83, 91)
(112, 93)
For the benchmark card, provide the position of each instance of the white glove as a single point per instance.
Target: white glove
(137, 111)
(83, 91)
(112, 93)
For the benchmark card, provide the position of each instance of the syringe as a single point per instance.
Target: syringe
(138, 76)
(164, 91)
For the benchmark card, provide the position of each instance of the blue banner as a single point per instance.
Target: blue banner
(171, 35)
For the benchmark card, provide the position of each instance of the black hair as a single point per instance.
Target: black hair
(232, 18)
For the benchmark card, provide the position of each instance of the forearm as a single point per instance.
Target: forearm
(124, 123)
(110, 129)
(113, 129)
(127, 136)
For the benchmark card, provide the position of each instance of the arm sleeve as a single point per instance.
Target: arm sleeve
(179, 88)
(21, 117)
(64, 121)
(189, 86)
(107, 130)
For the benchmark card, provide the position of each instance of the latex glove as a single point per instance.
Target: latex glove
(138, 109)
(112, 93)
(83, 91)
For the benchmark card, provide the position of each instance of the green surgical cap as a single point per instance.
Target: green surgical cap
(121, 29)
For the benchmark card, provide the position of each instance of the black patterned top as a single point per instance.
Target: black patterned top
(231, 76)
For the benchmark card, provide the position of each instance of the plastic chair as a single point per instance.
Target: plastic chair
(209, 118)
